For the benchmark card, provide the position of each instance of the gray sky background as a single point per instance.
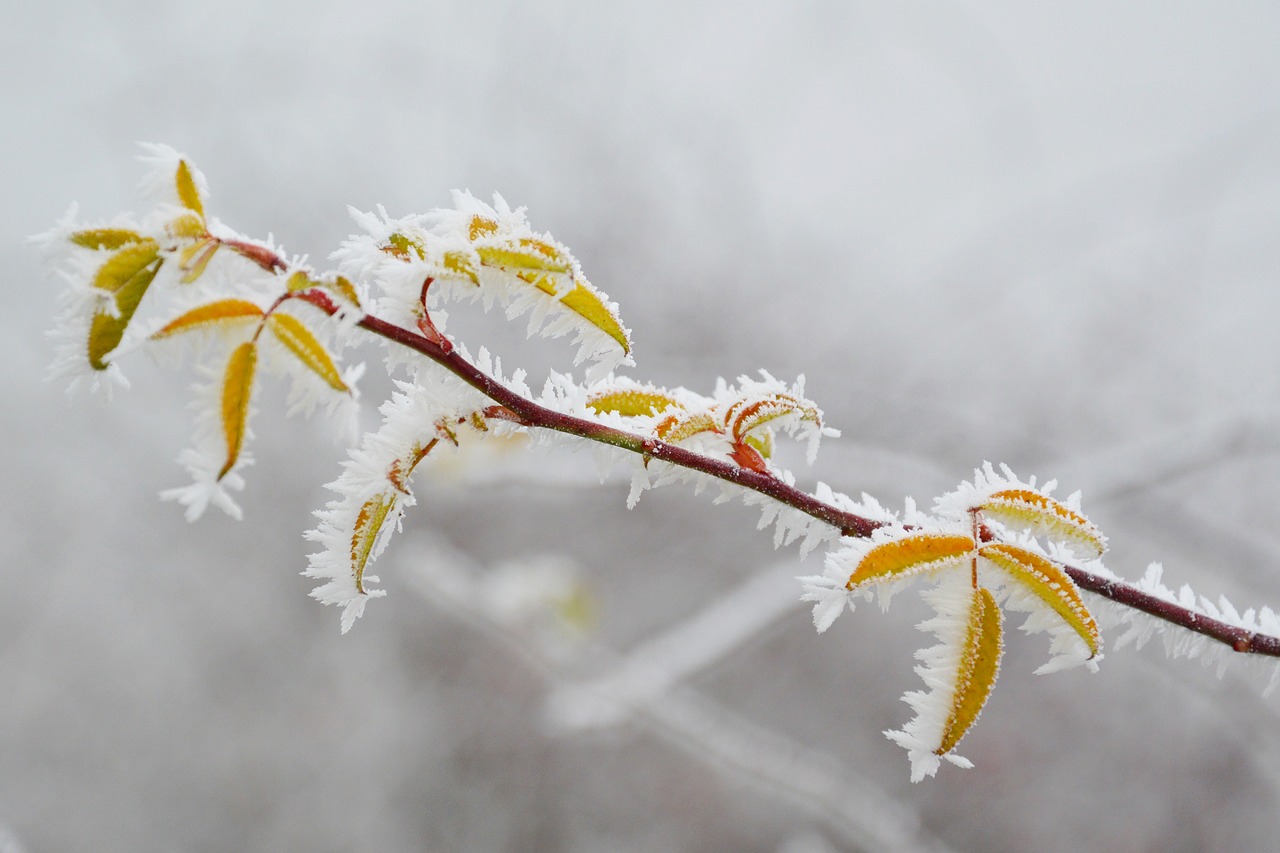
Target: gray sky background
(1039, 234)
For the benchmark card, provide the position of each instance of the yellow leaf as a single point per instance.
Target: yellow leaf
(1037, 513)
(1049, 583)
(632, 402)
(187, 225)
(237, 388)
(460, 264)
(298, 280)
(106, 329)
(298, 339)
(105, 238)
(978, 667)
(588, 303)
(195, 268)
(525, 254)
(917, 553)
(481, 226)
(223, 312)
(187, 192)
(369, 522)
(121, 267)
(344, 288)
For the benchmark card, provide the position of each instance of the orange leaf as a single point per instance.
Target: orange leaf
(917, 553)
(223, 312)
(237, 388)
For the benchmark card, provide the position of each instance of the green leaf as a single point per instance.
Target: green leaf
(222, 312)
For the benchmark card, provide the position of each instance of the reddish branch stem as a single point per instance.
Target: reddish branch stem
(530, 414)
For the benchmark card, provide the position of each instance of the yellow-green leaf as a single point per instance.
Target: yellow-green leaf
(298, 339)
(187, 192)
(121, 267)
(916, 553)
(237, 389)
(979, 665)
(1039, 514)
(632, 402)
(106, 329)
(298, 280)
(369, 522)
(195, 268)
(402, 244)
(106, 238)
(762, 442)
(1048, 582)
(224, 312)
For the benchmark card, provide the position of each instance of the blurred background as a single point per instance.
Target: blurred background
(1043, 235)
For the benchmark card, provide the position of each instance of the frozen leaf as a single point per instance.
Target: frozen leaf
(342, 286)
(402, 245)
(187, 192)
(364, 539)
(187, 225)
(588, 303)
(298, 339)
(1049, 583)
(915, 554)
(632, 402)
(675, 428)
(1039, 514)
(106, 238)
(223, 312)
(525, 254)
(195, 259)
(120, 268)
(237, 389)
(106, 328)
(979, 664)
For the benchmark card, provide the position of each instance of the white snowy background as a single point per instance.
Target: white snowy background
(1043, 234)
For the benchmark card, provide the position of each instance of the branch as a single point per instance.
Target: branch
(532, 414)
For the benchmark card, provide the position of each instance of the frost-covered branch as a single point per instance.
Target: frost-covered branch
(996, 544)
